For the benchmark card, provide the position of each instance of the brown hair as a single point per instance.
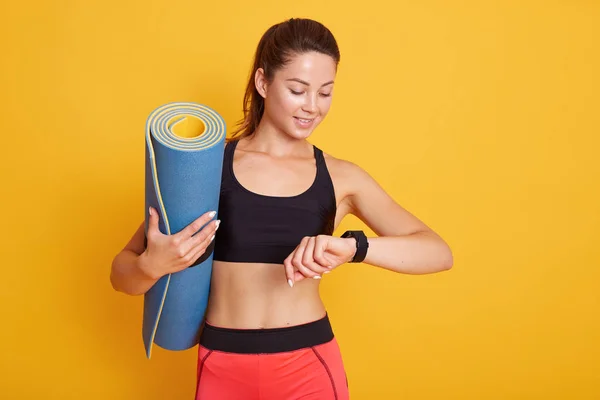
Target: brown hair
(276, 47)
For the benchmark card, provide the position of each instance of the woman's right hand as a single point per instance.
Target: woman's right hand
(167, 254)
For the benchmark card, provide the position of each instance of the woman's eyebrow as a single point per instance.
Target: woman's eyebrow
(306, 83)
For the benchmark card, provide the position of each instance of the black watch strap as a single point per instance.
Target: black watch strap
(362, 245)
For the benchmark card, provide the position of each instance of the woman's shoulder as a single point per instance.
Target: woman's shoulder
(347, 176)
(342, 167)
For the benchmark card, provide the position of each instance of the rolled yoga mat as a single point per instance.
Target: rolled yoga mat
(184, 159)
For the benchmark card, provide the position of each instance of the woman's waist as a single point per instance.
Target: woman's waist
(259, 311)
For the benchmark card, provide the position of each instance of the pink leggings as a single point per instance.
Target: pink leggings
(297, 362)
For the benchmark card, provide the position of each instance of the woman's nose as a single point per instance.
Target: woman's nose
(310, 104)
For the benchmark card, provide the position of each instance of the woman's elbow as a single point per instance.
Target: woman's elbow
(448, 259)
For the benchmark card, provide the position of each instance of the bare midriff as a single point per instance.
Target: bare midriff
(256, 296)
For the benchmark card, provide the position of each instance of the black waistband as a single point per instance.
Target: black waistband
(267, 340)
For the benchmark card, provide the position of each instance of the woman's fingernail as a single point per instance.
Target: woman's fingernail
(212, 214)
(290, 283)
(212, 238)
(217, 224)
(326, 272)
(330, 266)
(317, 277)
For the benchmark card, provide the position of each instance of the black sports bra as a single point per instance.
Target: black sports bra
(266, 229)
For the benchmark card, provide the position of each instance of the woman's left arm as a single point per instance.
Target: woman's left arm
(404, 243)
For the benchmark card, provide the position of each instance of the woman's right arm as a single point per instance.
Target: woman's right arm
(127, 273)
(137, 267)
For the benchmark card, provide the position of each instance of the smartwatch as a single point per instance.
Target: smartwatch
(362, 245)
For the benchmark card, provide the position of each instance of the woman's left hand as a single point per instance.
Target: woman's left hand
(316, 255)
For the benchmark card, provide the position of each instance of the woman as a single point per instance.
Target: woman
(266, 333)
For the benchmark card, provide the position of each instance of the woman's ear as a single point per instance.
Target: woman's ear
(260, 82)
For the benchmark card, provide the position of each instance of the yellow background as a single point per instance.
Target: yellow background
(482, 118)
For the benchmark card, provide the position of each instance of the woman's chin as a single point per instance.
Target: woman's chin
(300, 133)
(304, 134)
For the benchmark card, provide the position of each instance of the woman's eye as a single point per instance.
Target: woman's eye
(299, 93)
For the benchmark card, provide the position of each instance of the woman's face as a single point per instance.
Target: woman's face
(299, 97)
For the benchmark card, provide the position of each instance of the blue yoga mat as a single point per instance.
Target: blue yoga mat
(184, 160)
